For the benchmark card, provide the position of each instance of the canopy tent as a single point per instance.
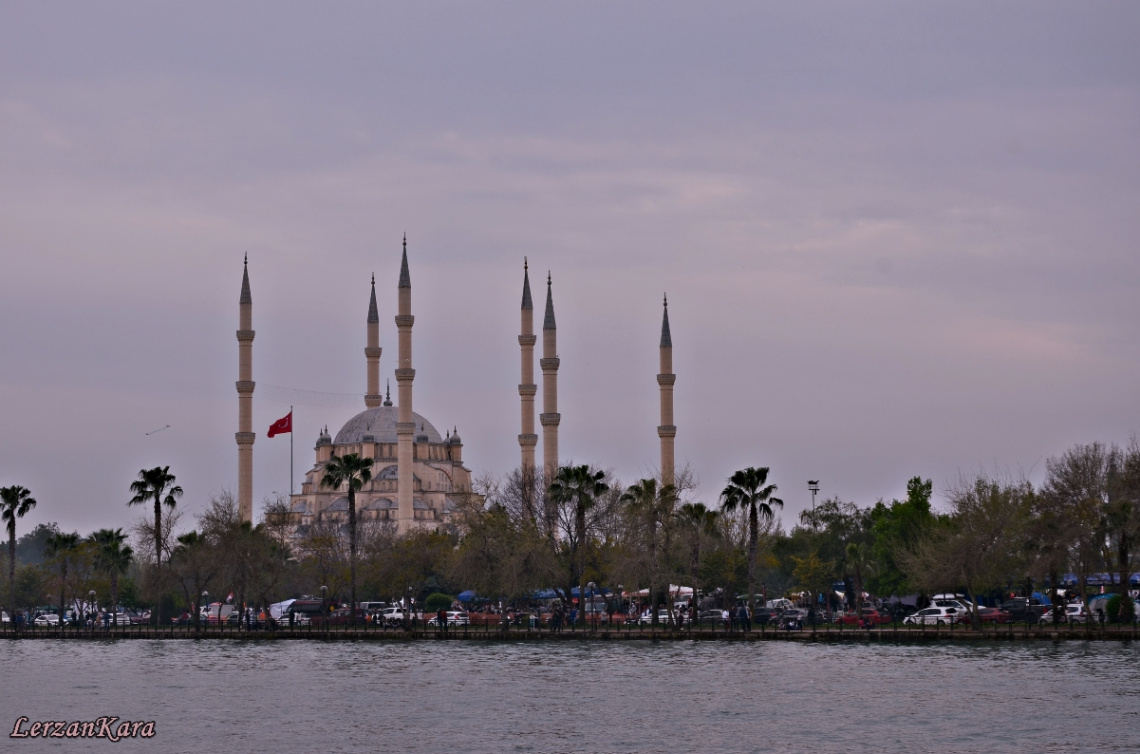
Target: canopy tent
(467, 596)
(278, 609)
(1100, 579)
(674, 589)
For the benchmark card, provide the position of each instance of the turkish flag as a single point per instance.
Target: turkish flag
(282, 426)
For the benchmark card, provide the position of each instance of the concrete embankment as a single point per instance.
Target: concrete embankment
(480, 633)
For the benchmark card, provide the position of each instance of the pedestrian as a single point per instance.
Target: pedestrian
(441, 619)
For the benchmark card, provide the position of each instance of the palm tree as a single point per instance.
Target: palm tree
(654, 505)
(15, 502)
(701, 522)
(748, 490)
(354, 471)
(112, 556)
(60, 545)
(156, 484)
(579, 486)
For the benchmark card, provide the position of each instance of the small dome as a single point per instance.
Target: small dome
(380, 424)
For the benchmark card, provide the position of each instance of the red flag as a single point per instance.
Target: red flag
(282, 426)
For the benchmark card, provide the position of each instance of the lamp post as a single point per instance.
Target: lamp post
(591, 587)
(407, 610)
(206, 603)
(91, 606)
(813, 485)
(325, 605)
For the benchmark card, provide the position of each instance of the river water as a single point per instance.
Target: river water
(458, 697)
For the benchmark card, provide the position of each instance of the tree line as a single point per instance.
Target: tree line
(518, 534)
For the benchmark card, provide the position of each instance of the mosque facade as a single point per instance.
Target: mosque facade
(418, 475)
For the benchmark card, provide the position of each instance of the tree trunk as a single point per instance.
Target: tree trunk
(352, 554)
(580, 525)
(753, 535)
(1123, 557)
(12, 571)
(62, 588)
(158, 560)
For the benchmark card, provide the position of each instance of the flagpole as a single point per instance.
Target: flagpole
(290, 452)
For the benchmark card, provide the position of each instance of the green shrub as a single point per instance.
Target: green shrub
(437, 601)
(1112, 608)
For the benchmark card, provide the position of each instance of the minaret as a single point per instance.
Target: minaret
(405, 424)
(550, 416)
(666, 431)
(528, 439)
(372, 397)
(245, 385)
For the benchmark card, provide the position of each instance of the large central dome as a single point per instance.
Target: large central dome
(380, 424)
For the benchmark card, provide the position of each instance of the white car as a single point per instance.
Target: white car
(662, 617)
(47, 619)
(454, 618)
(934, 616)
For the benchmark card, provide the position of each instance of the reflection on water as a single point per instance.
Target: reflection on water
(580, 697)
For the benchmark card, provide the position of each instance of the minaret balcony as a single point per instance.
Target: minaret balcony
(667, 430)
(666, 380)
(528, 340)
(245, 438)
(405, 320)
(549, 420)
(373, 352)
(244, 335)
(550, 364)
(528, 390)
(245, 387)
(405, 375)
(528, 441)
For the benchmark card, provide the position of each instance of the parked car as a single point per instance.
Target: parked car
(711, 617)
(47, 619)
(662, 617)
(454, 618)
(1023, 609)
(341, 617)
(867, 616)
(990, 615)
(933, 616)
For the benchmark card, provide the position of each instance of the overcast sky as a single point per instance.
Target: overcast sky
(898, 238)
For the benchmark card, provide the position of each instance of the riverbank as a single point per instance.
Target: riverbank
(1009, 632)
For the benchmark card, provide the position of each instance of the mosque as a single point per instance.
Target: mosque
(418, 475)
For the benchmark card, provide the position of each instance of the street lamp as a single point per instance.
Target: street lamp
(407, 610)
(91, 606)
(198, 610)
(813, 485)
(591, 586)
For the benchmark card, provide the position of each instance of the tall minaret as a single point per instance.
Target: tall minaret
(245, 385)
(372, 397)
(550, 416)
(666, 431)
(528, 439)
(405, 425)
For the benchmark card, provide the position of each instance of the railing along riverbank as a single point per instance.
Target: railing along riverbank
(593, 632)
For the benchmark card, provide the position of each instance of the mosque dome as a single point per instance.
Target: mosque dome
(379, 425)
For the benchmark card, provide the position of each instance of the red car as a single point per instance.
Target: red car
(990, 615)
(339, 617)
(866, 616)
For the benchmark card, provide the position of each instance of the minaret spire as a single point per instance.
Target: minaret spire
(245, 385)
(372, 351)
(527, 389)
(666, 431)
(549, 363)
(405, 424)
